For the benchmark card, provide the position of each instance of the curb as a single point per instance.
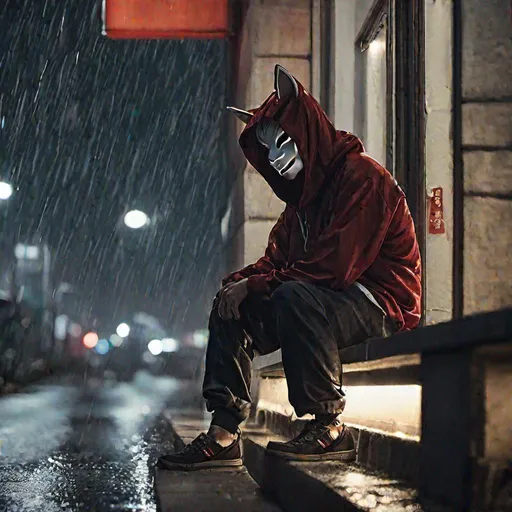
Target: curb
(329, 485)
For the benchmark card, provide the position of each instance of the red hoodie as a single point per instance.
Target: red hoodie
(346, 219)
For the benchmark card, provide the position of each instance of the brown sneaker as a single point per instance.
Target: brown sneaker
(203, 453)
(315, 443)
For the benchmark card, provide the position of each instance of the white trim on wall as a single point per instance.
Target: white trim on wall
(343, 54)
(438, 265)
(316, 48)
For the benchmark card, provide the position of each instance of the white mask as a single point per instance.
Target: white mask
(283, 153)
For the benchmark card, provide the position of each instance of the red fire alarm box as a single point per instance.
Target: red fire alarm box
(165, 19)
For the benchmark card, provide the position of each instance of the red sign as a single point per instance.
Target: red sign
(165, 19)
(436, 219)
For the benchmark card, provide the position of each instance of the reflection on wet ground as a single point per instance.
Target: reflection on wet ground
(70, 447)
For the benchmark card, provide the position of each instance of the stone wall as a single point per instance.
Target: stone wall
(274, 32)
(487, 153)
(282, 31)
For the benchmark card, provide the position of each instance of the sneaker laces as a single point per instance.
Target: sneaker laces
(309, 431)
(196, 445)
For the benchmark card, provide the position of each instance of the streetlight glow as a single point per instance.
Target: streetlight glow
(135, 219)
(169, 345)
(102, 347)
(116, 340)
(155, 347)
(123, 330)
(90, 340)
(5, 190)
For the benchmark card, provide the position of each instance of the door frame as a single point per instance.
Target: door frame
(405, 102)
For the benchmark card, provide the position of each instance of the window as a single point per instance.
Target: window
(389, 104)
(375, 98)
(374, 84)
(390, 96)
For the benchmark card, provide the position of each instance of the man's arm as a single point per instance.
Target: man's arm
(345, 249)
(275, 256)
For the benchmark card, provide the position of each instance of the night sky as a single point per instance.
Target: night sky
(91, 128)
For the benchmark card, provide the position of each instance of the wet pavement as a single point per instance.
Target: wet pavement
(89, 446)
(216, 490)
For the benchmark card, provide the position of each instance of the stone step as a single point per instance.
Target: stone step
(377, 450)
(330, 485)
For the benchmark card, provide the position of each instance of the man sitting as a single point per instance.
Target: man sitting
(342, 265)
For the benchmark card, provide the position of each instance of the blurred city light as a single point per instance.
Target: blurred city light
(123, 330)
(5, 190)
(61, 324)
(74, 330)
(136, 219)
(90, 340)
(169, 345)
(148, 357)
(26, 252)
(116, 340)
(155, 347)
(188, 340)
(200, 338)
(102, 347)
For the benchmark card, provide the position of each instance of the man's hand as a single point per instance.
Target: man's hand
(230, 298)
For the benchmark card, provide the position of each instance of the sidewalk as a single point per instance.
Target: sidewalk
(222, 490)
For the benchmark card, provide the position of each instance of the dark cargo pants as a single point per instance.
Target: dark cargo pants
(310, 324)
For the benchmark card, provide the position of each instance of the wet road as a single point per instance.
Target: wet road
(69, 447)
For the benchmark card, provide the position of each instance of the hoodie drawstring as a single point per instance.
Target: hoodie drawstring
(304, 228)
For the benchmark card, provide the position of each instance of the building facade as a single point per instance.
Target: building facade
(427, 85)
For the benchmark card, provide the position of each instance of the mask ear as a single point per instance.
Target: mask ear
(243, 115)
(284, 83)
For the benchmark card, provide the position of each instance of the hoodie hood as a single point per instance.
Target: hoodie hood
(322, 148)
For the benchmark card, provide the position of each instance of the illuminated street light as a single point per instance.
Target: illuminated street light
(169, 345)
(200, 338)
(5, 190)
(123, 330)
(135, 219)
(155, 347)
(90, 340)
(26, 252)
(102, 347)
(61, 326)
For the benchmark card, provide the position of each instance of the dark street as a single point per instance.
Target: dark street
(83, 446)
(254, 255)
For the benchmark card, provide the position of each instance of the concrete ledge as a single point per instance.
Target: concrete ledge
(397, 370)
(305, 486)
(483, 329)
(462, 413)
(468, 332)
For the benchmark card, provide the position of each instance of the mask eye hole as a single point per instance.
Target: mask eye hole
(281, 140)
(288, 167)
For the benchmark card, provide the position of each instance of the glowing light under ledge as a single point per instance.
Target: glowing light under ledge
(395, 410)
